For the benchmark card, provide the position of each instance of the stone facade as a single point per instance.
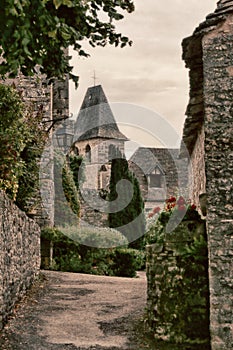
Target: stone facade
(19, 255)
(209, 50)
(197, 169)
(97, 139)
(96, 136)
(161, 174)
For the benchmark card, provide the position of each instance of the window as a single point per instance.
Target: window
(76, 151)
(88, 153)
(155, 179)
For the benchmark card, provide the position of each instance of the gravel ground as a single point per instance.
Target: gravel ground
(82, 312)
(78, 312)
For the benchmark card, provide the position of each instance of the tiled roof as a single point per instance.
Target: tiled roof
(95, 118)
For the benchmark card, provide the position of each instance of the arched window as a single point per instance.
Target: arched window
(104, 175)
(76, 151)
(88, 153)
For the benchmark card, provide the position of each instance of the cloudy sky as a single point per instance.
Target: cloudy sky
(151, 73)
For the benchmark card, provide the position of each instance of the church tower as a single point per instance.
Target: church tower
(97, 138)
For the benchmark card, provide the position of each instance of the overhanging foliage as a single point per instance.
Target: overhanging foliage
(37, 32)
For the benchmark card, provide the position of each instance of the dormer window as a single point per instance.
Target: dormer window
(155, 178)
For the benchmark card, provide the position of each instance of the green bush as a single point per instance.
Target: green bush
(74, 256)
(65, 251)
(99, 237)
(127, 261)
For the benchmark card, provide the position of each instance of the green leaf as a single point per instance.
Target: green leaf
(58, 3)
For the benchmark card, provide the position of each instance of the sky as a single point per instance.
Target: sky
(146, 84)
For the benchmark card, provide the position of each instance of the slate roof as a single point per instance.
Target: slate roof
(148, 158)
(95, 118)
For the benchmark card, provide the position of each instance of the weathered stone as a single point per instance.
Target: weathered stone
(210, 147)
(19, 255)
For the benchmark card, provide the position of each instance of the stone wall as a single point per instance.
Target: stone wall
(177, 293)
(218, 91)
(93, 208)
(197, 169)
(19, 255)
(36, 92)
(53, 100)
(208, 53)
(99, 149)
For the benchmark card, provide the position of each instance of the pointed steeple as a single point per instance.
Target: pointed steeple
(95, 118)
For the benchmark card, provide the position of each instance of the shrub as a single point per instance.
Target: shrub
(99, 237)
(65, 251)
(73, 255)
(159, 222)
(127, 261)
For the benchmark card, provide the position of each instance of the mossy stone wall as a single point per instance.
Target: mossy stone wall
(178, 293)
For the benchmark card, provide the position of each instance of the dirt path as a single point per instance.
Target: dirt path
(78, 312)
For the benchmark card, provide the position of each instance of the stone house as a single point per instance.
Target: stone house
(207, 134)
(161, 174)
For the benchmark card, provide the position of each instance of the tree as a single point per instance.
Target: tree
(37, 33)
(129, 220)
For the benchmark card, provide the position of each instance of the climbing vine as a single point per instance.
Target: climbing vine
(22, 139)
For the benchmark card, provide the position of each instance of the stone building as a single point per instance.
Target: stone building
(97, 137)
(161, 174)
(208, 137)
(98, 140)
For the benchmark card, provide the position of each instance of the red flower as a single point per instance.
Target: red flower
(156, 210)
(181, 201)
(193, 207)
(171, 200)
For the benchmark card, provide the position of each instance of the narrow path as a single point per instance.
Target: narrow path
(78, 312)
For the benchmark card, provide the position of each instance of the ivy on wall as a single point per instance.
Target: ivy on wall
(22, 139)
(67, 204)
(177, 271)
